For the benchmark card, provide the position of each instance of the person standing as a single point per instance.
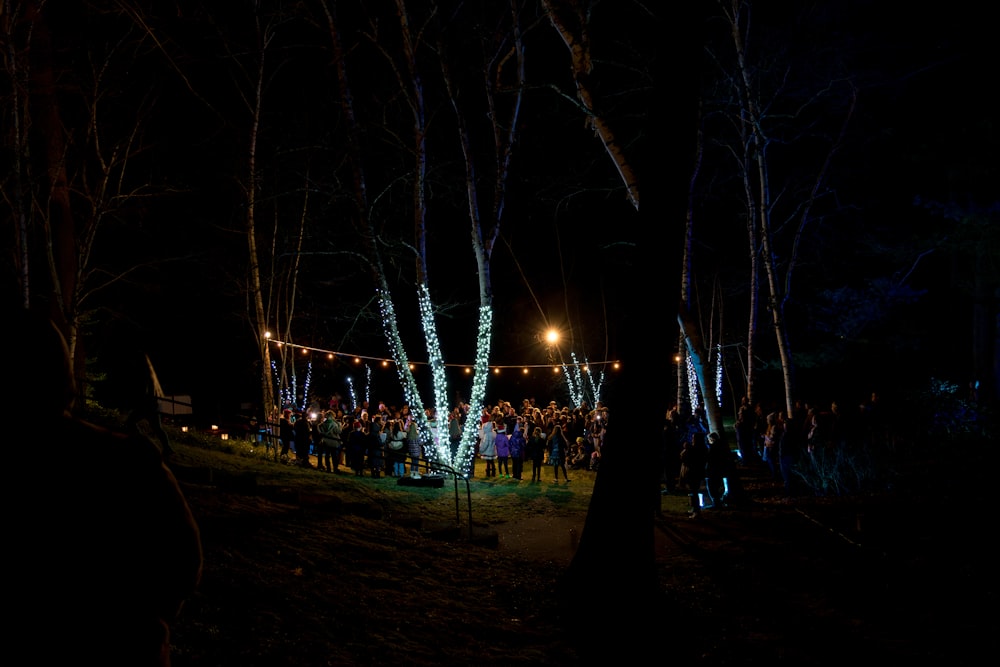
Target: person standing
(694, 457)
(772, 437)
(329, 430)
(413, 444)
(357, 444)
(286, 433)
(502, 443)
(396, 453)
(671, 445)
(535, 451)
(790, 447)
(455, 430)
(744, 429)
(376, 446)
(558, 448)
(517, 446)
(303, 439)
(716, 469)
(488, 448)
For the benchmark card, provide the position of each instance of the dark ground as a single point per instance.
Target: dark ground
(304, 568)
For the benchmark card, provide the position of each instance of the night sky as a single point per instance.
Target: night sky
(572, 252)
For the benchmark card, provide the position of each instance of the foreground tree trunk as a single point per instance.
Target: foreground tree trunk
(618, 537)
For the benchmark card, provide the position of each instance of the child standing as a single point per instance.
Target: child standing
(502, 443)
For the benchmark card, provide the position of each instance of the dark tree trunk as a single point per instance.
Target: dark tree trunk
(616, 557)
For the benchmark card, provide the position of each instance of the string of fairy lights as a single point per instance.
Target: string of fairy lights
(358, 359)
(583, 378)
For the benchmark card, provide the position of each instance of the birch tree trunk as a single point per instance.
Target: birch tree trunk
(87, 165)
(760, 207)
(410, 71)
(260, 313)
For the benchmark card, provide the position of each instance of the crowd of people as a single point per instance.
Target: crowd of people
(513, 440)
(386, 440)
(702, 464)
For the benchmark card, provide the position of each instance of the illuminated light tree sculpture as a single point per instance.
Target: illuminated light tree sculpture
(580, 382)
(507, 66)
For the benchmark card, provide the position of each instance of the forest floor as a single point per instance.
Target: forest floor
(308, 568)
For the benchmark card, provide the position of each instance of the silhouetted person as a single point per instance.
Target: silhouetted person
(102, 549)
(286, 432)
(303, 439)
(694, 457)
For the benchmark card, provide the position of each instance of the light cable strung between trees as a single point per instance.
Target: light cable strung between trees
(582, 365)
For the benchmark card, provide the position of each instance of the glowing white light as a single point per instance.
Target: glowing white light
(694, 393)
(718, 373)
(305, 387)
(580, 382)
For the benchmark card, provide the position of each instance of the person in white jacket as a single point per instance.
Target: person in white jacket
(488, 447)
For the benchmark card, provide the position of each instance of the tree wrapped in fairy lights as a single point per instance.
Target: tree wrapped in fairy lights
(486, 132)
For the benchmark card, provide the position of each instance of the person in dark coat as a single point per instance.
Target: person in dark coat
(102, 553)
(517, 444)
(716, 470)
(357, 446)
(558, 448)
(376, 446)
(286, 433)
(303, 439)
(671, 444)
(329, 430)
(694, 458)
(535, 450)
